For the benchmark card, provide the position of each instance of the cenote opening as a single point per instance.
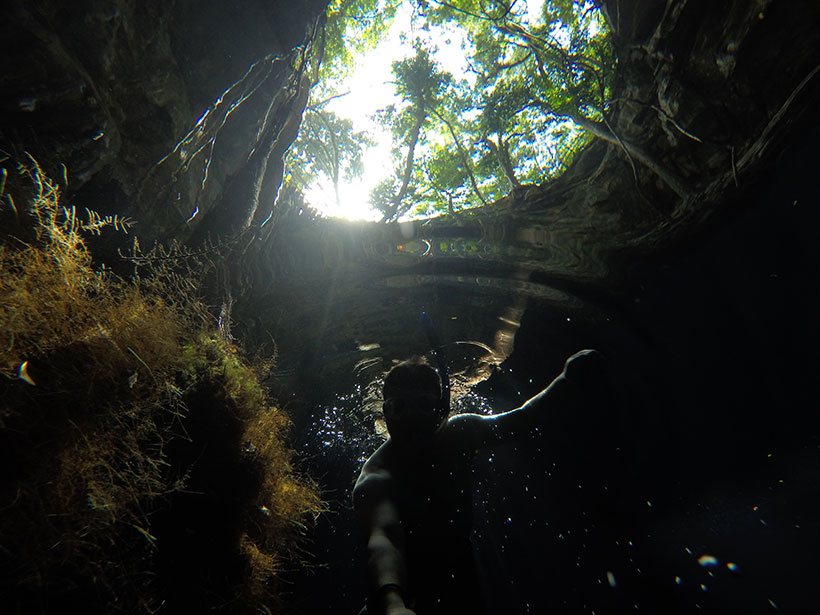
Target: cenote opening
(225, 224)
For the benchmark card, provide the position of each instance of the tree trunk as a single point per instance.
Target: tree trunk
(408, 166)
(502, 154)
(464, 159)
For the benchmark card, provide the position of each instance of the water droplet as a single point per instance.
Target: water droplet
(732, 566)
(707, 561)
(610, 578)
(703, 588)
(678, 580)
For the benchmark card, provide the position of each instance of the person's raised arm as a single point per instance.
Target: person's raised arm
(583, 372)
(379, 518)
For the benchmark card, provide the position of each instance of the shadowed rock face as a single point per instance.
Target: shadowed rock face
(166, 112)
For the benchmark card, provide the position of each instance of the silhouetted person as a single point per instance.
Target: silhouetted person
(413, 496)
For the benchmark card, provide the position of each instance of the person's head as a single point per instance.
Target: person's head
(413, 407)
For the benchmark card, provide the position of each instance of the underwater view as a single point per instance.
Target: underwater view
(409, 307)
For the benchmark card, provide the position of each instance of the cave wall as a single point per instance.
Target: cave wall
(168, 113)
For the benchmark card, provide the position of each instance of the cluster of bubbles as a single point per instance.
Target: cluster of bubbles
(345, 430)
(472, 402)
(341, 430)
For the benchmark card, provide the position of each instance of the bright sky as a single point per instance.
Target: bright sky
(370, 90)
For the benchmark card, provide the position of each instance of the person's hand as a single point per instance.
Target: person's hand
(394, 604)
(586, 366)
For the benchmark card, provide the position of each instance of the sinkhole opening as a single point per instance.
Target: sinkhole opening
(429, 107)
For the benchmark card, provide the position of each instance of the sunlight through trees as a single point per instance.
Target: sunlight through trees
(485, 96)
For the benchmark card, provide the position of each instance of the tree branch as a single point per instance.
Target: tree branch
(464, 159)
(318, 105)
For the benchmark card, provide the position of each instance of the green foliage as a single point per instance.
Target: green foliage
(419, 81)
(328, 147)
(381, 197)
(534, 76)
(104, 383)
(352, 28)
(518, 115)
(446, 176)
(420, 85)
(280, 499)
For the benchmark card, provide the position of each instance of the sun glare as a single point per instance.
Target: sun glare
(370, 89)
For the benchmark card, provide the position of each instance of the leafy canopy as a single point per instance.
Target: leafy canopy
(534, 90)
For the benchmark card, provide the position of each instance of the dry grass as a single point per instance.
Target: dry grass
(95, 407)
